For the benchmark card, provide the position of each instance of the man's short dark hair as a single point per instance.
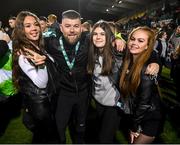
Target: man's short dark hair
(43, 18)
(12, 18)
(71, 14)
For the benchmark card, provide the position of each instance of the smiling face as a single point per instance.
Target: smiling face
(138, 42)
(71, 29)
(31, 28)
(43, 25)
(99, 37)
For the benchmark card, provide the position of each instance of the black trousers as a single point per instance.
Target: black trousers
(38, 117)
(72, 111)
(108, 118)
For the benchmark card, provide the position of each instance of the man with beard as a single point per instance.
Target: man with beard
(70, 51)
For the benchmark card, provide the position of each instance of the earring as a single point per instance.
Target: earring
(146, 48)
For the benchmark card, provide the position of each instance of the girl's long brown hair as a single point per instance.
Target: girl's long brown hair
(20, 41)
(131, 71)
(107, 50)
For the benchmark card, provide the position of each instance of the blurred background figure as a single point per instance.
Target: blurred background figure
(53, 24)
(10, 100)
(161, 47)
(86, 27)
(174, 39)
(43, 23)
(11, 21)
(175, 71)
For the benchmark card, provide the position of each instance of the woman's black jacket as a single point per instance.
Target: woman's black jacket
(146, 100)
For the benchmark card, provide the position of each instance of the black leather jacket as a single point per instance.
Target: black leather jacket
(116, 68)
(29, 89)
(145, 100)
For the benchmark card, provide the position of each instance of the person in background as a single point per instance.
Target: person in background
(10, 99)
(11, 21)
(161, 46)
(43, 23)
(86, 27)
(46, 31)
(115, 29)
(34, 78)
(139, 88)
(53, 24)
(90, 22)
(175, 71)
(117, 33)
(174, 39)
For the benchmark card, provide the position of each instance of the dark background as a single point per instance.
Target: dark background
(44, 7)
(89, 9)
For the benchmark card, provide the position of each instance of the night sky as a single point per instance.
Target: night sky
(44, 7)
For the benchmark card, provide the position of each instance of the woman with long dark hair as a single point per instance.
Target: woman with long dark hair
(33, 77)
(139, 88)
(104, 66)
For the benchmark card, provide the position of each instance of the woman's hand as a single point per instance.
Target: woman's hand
(133, 136)
(36, 58)
(120, 44)
(152, 69)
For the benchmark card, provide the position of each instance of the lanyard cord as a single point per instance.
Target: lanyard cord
(69, 64)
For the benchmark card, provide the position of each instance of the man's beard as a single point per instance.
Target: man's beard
(72, 41)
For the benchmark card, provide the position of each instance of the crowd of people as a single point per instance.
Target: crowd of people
(54, 70)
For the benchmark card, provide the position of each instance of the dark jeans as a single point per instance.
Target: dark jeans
(72, 108)
(108, 121)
